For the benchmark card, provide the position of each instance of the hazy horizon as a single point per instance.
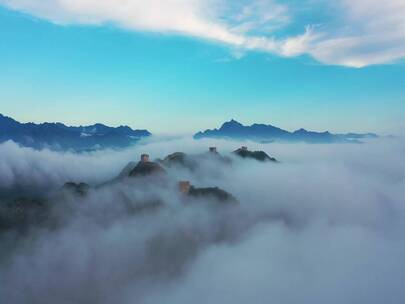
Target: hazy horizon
(218, 125)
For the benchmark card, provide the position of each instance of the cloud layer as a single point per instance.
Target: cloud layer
(324, 226)
(357, 34)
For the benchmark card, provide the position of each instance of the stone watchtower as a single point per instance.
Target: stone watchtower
(145, 158)
(213, 149)
(184, 187)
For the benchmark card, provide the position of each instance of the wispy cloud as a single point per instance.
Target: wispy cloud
(366, 32)
(362, 32)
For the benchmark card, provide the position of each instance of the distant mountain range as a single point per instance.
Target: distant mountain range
(58, 136)
(268, 133)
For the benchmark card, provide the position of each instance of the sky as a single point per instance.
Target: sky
(180, 66)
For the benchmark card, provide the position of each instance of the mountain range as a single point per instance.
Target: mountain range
(58, 136)
(268, 133)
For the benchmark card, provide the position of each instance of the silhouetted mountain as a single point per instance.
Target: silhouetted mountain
(258, 155)
(146, 168)
(261, 132)
(126, 170)
(194, 162)
(30, 211)
(58, 136)
(215, 193)
(177, 158)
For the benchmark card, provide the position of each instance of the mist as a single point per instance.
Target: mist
(324, 225)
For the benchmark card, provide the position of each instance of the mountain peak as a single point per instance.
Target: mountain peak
(231, 124)
(302, 130)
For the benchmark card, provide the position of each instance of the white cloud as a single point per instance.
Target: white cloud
(363, 32)
(367, 32)
(190, 17)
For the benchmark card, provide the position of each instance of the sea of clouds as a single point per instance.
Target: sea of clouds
(325, 225)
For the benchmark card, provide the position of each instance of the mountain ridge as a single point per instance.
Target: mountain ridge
(60, 136)
(262, 132)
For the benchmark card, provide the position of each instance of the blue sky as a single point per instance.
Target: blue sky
(292, 64)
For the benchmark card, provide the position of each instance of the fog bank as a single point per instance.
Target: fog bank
(325, 225)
